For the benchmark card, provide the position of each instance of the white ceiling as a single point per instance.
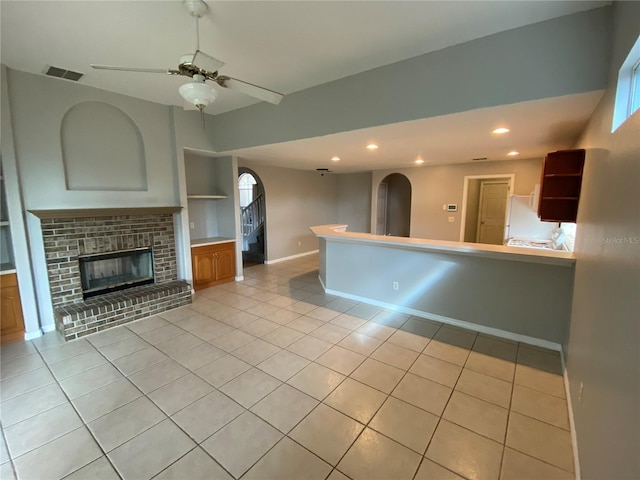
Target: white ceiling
(292, 45)
(536, 128)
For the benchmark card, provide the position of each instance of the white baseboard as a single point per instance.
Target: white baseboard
(48, 328)
(32, 335)
(239, 278)
(496, 332)
(572, 424)
(284, 259)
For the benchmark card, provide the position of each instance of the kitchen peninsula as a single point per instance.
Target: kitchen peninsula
(510, 292)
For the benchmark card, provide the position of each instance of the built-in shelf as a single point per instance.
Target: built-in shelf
(203, 197)
(563, 175)
(4, 223)
(561, 198)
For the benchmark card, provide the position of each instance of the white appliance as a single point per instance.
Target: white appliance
(524, 228)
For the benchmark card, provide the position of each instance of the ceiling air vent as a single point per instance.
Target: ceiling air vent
(62, 73)
(477, 159)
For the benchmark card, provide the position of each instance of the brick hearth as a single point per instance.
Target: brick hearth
(67, 237)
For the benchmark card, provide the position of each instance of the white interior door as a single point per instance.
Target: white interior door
(491, 212)
(381, 215)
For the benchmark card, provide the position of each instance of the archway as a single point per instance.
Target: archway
(394, 206)
(252, 217)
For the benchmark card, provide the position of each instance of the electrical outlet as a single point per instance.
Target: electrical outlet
(192, 225)
(299, 243)
(396, 286)
(580, 392)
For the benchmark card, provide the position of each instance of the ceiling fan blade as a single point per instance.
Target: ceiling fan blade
(133, 69)
(206, 62)
(249, 89)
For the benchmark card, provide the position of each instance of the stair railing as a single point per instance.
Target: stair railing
(252, 216)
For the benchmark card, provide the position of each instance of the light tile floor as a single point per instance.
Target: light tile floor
(272, 379)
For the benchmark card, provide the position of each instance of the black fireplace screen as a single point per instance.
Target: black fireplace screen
(108, 272)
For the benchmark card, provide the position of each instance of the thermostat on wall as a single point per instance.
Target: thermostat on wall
(452, 207)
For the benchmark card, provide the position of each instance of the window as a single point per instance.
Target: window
(628, 89)
(634, 101)
(245, 185)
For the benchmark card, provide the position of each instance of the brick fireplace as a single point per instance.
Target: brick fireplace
(70, 235)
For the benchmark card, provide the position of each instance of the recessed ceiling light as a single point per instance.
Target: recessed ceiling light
(335, 159)
(419, 161)
(513, 153)
(372, 146)
(501, 130)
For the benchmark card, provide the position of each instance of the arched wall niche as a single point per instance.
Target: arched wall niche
(394, 206)
(102, 149)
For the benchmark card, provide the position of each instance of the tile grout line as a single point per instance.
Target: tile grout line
(10, 460)
(309, 334)
(84, 425)
(143, 394)
(506, 430)
(440, 418)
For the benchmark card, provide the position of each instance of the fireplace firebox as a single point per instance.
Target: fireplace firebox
(109, 272)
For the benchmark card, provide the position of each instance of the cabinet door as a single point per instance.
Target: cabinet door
(204, 270)
(12, 323)
(226, 264)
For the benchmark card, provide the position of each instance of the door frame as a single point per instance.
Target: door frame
(463, 214)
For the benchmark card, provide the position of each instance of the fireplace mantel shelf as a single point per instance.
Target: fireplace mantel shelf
(103, 212)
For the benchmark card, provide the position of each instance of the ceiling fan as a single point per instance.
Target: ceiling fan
(201, 67)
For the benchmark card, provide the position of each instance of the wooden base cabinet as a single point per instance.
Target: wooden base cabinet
(12, 322)
(213, 264)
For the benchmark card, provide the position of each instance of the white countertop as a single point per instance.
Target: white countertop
(199, 242)
(6, 268)
(337, 232)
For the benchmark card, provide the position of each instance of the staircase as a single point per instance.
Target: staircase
(252, 220)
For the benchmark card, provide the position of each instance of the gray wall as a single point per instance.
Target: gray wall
(501, 294)
(548, 59)
(210, 176)
(38, 105)
(603, 349)
(295, 200)
(433, 186)
(354, 201)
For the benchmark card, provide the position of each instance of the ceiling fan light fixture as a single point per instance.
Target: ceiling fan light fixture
(198, 93)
